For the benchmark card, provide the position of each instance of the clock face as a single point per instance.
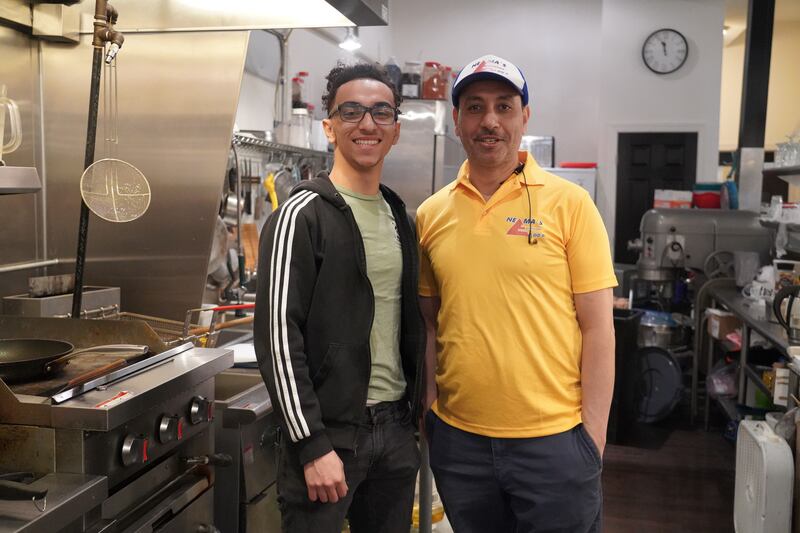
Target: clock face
(665, 51)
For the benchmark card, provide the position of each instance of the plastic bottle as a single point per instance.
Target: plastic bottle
(411, 80)
(303, 75)
(297, 92)
(394, 72)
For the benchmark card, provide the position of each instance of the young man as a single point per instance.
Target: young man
(338, 331)
(516, 282)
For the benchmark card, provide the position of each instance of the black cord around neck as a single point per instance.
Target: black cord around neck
(531, 239)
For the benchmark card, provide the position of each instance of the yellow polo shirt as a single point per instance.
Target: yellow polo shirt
(509, 346)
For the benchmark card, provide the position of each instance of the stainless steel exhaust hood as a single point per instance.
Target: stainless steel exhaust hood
(148, 16)
(363, 12)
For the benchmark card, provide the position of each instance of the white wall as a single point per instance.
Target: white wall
(256, 103)
(556, 44)
(632, 98)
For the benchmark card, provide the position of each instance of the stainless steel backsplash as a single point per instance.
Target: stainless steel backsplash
(178, 94)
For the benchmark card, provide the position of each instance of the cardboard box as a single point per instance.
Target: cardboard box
(721, 323)
(672, 199)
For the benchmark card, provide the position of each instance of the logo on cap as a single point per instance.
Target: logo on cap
(490, 67)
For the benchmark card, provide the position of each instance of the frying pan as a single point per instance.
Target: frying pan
(26, 359)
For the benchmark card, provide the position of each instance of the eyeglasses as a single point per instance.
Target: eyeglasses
(382, 114)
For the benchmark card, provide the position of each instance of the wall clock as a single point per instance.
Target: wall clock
(665, 51)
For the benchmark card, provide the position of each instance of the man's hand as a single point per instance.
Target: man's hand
(598, 437)
(325, 478)
(429, 396)
(594, 311)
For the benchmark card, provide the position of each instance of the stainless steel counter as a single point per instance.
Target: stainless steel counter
(730, 297)
(68, 497)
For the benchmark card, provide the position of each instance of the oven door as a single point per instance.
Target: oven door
(186, 504)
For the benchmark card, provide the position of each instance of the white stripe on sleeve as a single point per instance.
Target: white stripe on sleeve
(280, 269)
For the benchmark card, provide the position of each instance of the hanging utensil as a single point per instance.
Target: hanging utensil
(114, 189)
(269, 186)
(284, 183)
(105, 16)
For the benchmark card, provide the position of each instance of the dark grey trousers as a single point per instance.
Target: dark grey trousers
(380, 479)
(533, 485)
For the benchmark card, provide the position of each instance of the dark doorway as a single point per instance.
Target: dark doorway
(646, 162)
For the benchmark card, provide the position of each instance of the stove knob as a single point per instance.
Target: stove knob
(170, 428)
(134, 450)
(200, 410)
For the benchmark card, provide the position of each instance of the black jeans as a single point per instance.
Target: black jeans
(543, 484)
(380, 473)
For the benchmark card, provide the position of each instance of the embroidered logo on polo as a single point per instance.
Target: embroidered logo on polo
(519, 227)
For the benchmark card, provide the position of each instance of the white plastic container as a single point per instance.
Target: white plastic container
(300, 129)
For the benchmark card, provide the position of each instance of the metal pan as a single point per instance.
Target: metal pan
(27, 359)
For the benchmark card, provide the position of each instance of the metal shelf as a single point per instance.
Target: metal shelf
(269, 146)
(756, 379)
(782, 171)
(790, 175)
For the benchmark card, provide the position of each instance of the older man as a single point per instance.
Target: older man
(516, 292)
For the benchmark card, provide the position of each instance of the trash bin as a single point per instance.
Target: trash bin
(622, 415)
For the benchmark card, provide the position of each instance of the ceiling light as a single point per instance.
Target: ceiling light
(351, 42)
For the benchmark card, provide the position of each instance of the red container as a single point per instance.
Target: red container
(706, 199)
(577, 164)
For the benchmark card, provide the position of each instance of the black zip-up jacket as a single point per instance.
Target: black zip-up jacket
(314, 313)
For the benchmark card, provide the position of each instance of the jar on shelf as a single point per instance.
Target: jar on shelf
(432, 81)
(411, 80)
(300, 130)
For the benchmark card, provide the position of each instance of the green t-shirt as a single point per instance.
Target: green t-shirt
(384, 270)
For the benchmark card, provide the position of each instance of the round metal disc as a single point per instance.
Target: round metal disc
(719, 264)
(115, 190)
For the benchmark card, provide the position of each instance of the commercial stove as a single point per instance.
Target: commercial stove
(122, 453)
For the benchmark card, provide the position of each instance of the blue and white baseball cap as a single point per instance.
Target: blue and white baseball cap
(490, 67)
